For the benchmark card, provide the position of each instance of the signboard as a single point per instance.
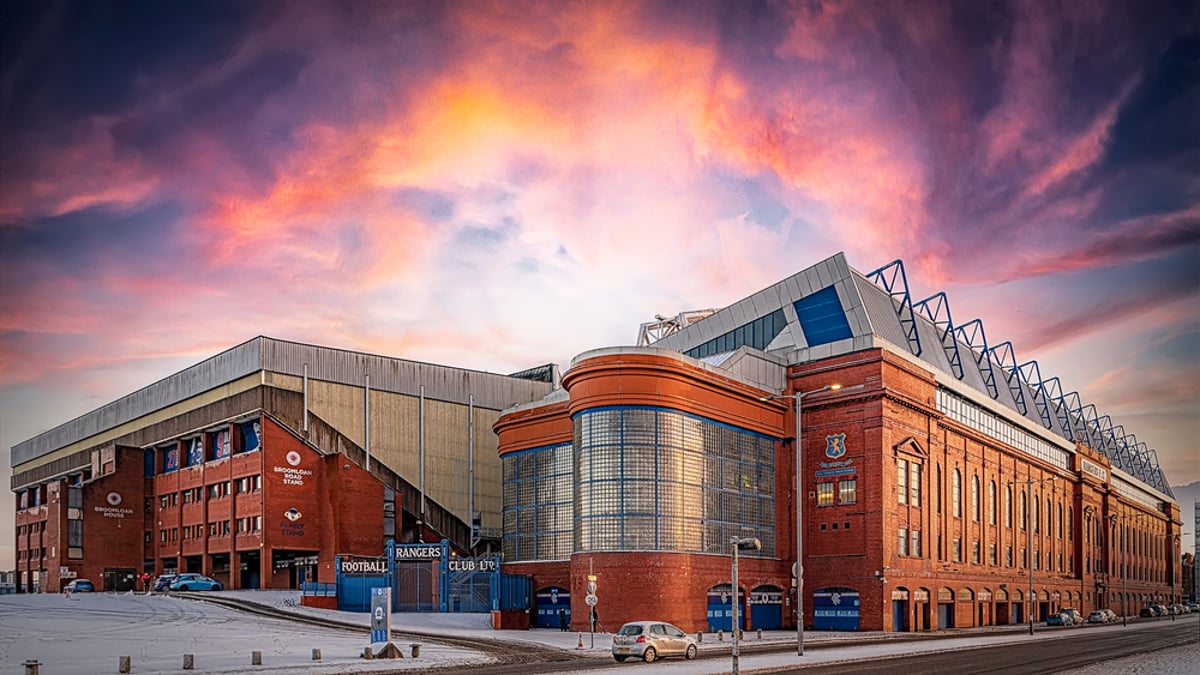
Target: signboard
(375, 566)
(590, 600)
(472, 565)
(418, 552)
(381, 614)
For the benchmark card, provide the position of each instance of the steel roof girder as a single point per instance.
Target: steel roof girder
(972, 333)
(945, 326)
(899, 293)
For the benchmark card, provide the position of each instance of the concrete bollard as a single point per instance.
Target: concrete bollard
(367, 653)
(759, 633)
(189, 661)
(699, 636)
(720, 636)
(316, 655)
(32, 666)
(416, 650)
(124, 664)
(256, 658)
(741, 635)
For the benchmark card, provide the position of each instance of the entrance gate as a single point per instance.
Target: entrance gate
(766, 608)
(835, 609)
(549, 602)
(427, 578)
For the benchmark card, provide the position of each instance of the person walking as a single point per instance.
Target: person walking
(562, 619)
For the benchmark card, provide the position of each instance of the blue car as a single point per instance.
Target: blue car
(195, 582)
(80, 586)
(1057, 620)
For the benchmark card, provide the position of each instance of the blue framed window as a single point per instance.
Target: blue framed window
(822, 318)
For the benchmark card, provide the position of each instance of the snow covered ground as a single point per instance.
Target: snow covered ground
(90, 632)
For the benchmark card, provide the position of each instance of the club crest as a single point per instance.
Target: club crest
(835, 445)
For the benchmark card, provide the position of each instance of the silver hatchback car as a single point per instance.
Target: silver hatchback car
(648, 640)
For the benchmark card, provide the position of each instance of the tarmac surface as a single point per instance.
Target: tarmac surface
(89, 633)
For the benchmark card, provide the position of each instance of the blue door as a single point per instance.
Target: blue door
(766, 608)
(720, 609)
(553, 604)
(835, 609)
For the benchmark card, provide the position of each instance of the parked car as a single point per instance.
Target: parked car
(1073, 614)
(163, 583)
(195, 582)
(1159, 610)
(1059, 619)
(649, 640)
(1148, 611)
(80, 586)
(1098, 616)
(1112, 616)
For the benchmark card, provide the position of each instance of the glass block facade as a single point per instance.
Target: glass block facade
(537, 503)
(640, 479)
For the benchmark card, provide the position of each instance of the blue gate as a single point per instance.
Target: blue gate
(766, 608)
(720, 609)
(835, 609)
(551, 601)
(355, 579)
(470, 584)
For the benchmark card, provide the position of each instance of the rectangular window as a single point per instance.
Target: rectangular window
(956, 549)
(902, 480)
(914, 484)
(74, 533)
(915, 539)
(848, 491)
(975, 552)
(992, 554)
(1008, 556)
(824, 494)
(902, 542)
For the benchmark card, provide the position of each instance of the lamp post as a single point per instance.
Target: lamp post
(1029, 482)
(1086, 551)
(1124, 596)
(739, 544)
(797, 397)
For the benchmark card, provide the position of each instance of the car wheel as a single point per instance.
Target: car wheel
(620, 659)
(649, 655)
(217, 587)
(690, 653)
(183, 588)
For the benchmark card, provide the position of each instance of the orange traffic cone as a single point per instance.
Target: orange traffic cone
(580, 645)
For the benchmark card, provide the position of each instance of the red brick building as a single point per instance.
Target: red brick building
(941, 483)
(259, 465)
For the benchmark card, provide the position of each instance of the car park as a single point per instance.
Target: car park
(195, 582)
(648, 640)
(80, 586)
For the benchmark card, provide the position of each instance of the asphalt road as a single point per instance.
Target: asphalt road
(1084, 647)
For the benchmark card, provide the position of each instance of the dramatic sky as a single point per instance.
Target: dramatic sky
(496, 185)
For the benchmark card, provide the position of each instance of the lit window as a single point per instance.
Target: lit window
(848, 491)
(824, 494)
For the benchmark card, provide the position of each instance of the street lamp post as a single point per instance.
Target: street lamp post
(797, 397)
(1124, 595)
(1086, 553)
(739, 544)
(1029, 536)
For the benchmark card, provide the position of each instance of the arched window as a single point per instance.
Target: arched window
(956, 493)
(975, 498)
(992, 502)
(1024, 512)
(1008, 506)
